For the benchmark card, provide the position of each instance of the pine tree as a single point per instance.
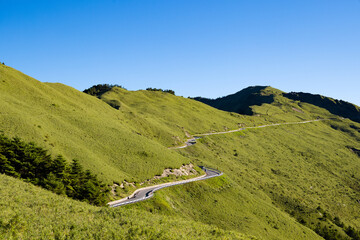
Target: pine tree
(6, 168)
(58, 167)
(76, 168)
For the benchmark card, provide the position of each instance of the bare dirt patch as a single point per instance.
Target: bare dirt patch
(185, 170)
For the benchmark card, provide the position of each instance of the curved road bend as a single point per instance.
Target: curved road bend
(147, 192)
(188, 143)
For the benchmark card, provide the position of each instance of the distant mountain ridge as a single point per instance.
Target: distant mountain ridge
(337, 107)
(243, 101)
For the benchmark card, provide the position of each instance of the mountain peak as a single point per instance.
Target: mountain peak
(241, 101)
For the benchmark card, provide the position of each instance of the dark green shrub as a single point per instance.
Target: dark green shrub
(161, 90)
(100, 89)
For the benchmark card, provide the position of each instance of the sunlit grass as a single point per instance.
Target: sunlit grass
(274, 178)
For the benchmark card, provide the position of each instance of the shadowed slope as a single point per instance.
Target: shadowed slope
(337, 107)
(244, 101)
(241, 101)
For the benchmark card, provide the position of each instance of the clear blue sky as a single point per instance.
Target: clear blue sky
(207, 48)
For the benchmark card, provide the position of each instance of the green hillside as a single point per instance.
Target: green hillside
(80, 126)
(174, 115)
(280, 182)
(281, 109)
(248, 99)
(28, 212)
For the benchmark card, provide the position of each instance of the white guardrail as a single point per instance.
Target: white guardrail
(151, 192)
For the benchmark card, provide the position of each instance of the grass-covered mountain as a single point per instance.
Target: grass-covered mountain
(117, 145)
(281, 182)
(243, 101)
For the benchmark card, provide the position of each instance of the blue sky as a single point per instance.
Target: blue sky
(207, 48)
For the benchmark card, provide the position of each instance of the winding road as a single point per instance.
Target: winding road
(262, 126)
(142, 194)
(192, 141)
(147, 192)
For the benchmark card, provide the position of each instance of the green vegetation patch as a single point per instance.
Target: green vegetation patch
(33, 164)
(161, 90)
(100, 89)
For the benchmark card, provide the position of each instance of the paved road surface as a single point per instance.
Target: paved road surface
(262, 126)
(147, 192)
(192, 141)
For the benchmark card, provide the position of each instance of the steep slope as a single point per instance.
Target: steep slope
(129, 143)
(282, 182)
(77, 125)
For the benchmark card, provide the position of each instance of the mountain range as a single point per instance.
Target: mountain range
(285, 176)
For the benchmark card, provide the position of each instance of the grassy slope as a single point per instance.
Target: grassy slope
(280, 175)
(243, 199)
(80, 126)
(111, 142)
(165, 117)
(28, 212)
(285, 110)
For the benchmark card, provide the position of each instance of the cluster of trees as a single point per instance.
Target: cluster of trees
(332, 234)
(100, 89)
(33, 164)
(329, 233)
(353, 233)
(161, 90)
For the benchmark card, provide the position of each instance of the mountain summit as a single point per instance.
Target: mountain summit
(241, 102)
(244, 101)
